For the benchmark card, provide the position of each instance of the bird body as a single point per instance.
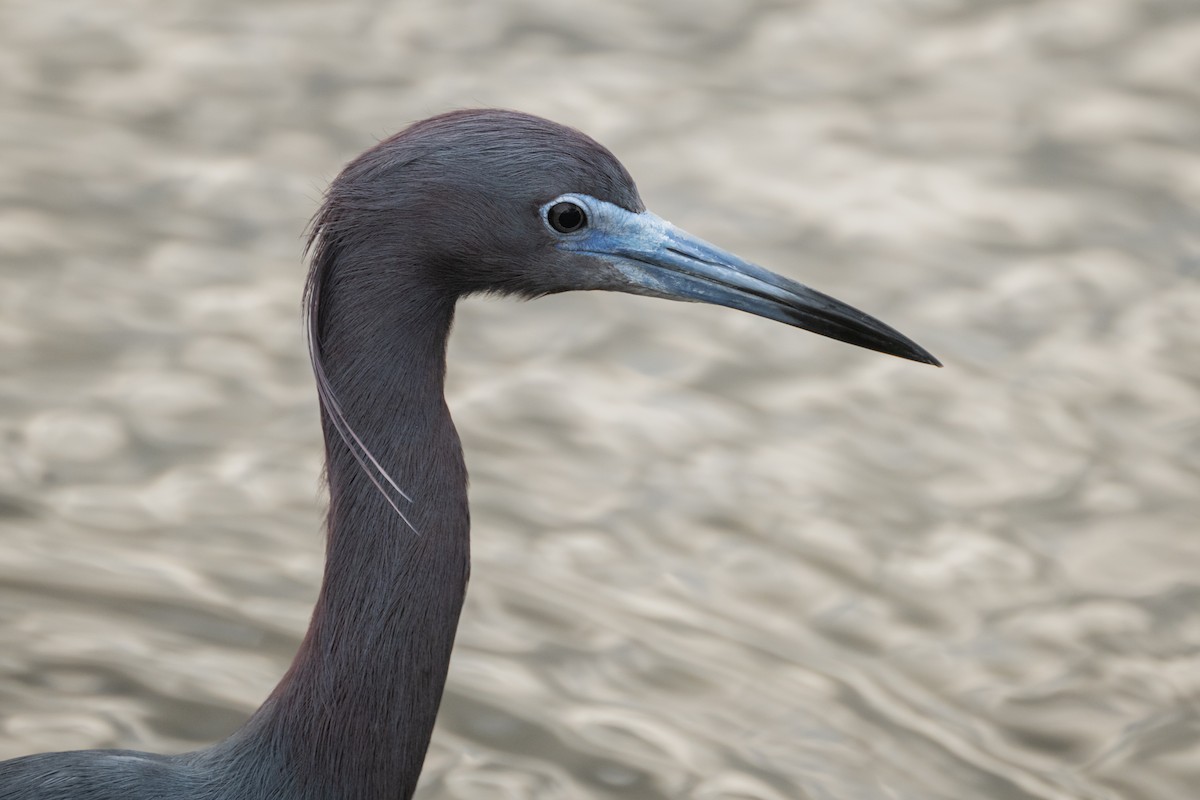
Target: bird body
(466, 202)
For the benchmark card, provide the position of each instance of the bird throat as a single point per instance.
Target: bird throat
(354, 714)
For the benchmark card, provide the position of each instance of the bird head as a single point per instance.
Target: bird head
(504, 202)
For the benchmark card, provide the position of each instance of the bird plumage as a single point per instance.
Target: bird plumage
(453, 205)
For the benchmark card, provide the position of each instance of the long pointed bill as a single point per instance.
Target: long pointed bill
(656, 258)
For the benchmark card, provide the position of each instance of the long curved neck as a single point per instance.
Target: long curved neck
(353, 716)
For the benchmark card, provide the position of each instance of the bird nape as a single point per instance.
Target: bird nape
(470, 201)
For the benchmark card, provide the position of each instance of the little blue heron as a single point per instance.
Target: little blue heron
(462, 203)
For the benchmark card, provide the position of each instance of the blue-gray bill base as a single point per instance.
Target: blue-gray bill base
(468, 202)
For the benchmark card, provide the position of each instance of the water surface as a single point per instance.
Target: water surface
(714, 557)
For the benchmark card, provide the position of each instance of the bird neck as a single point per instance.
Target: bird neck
(354, 714)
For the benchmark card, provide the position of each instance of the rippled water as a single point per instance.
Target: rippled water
(715, 558)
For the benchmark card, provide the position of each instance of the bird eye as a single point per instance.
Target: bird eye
(566, 217)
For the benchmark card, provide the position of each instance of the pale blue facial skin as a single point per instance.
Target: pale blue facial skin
(656, 258)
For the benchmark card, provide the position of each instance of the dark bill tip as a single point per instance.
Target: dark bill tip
(819, 313)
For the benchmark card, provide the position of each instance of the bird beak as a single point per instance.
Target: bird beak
(656, 258)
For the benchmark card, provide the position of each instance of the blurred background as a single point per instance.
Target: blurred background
(714, 557)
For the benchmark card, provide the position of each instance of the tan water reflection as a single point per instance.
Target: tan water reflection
(714, 558)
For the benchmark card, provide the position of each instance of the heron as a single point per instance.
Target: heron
(467, 202)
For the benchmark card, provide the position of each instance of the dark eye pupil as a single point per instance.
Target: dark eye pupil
(566, 217)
